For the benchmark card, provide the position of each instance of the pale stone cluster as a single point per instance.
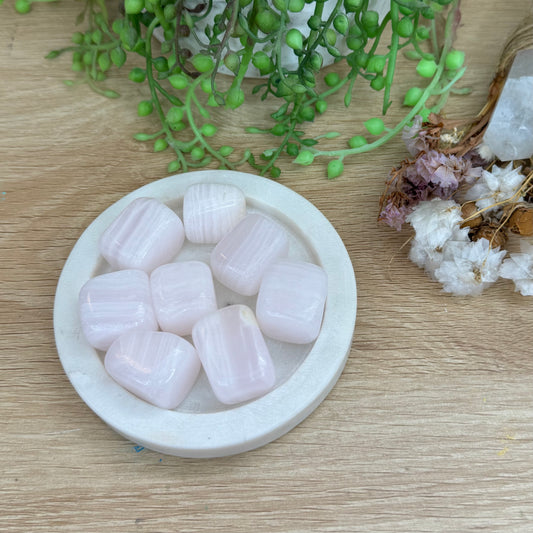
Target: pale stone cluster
(140, 313)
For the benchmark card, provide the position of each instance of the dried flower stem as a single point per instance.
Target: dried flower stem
(519, 192)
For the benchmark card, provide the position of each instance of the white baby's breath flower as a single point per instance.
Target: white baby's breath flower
(435, 221)
(496, 186)
(468, 267)
(519, 268)
(428, 257)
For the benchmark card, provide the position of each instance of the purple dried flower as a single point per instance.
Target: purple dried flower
(432, 174)
(411, 135)
(396, 209)
(444, 172)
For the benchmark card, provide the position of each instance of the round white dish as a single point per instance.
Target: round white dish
(201, 426)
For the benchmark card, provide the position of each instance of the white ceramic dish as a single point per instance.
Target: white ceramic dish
(201, 426)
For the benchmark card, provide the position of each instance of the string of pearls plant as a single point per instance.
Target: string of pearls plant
(284, 42)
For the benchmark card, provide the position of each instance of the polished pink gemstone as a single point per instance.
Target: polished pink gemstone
(291, 299)
(182, 293)
(211, 210)
(156, 366)
(112, 304)
(145, 235)
(242, 256)
(234, 354)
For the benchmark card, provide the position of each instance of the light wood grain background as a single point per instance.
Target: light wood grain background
(429, 427)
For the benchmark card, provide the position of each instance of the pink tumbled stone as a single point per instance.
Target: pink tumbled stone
(145, 235)
(242, 256)
(112, 304)
(156, 366)
(182, 293)
(211, 210)
(234, 354)
(291, 299)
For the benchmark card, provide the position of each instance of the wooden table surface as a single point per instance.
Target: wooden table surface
(429, 427)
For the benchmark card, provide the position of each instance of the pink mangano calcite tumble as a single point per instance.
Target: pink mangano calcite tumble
(182, 293)
(145, 235)
(112, 304)
(291, 300)
(239, 260)
(234, 354)
(211, 210)
(156, 366)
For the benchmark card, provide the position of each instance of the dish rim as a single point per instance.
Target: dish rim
(237, 429)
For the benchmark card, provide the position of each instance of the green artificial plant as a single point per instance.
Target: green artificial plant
(184, 84)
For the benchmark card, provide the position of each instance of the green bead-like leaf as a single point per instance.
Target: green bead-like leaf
(118, 56)
(208, 130)
(331, 79)
(225, 151)
(305, 157)
(174, 166)
(375, 126)
(426, 68)
(412, 96)
(335, 168)
(235, 97)
(357, 141)
(294, 39)
(203, 63)
(160, 145)
(455, 59)
(178, 81)
(104, 61)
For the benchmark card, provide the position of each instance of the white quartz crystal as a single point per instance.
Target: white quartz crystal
(156, 366)
(510, 131)
(211, 210)
(145, 235)
(234, 354)
(239, 260)
(291, 299)
(112, 304)
(182, 293)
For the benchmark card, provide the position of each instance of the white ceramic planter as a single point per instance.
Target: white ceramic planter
(297, 20)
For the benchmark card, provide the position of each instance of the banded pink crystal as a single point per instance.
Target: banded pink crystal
(234, 354)
(211, 210)
(115, 303)
(145, 235)
(239, 260)
(156, 366)
(291, 300)
(182, 293)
